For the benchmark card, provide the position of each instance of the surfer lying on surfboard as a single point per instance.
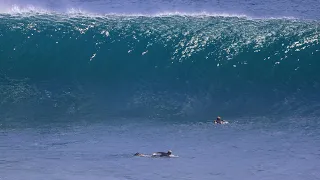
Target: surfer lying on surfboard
(156, 154)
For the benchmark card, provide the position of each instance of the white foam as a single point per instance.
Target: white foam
(31, 9)
(28, 9)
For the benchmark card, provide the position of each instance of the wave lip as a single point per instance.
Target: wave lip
(34, 10)
(30, 9)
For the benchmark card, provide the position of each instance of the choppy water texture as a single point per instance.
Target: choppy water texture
(86, 84)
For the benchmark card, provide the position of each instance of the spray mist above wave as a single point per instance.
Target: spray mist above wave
(270, 9)
(37, 10)
(32, 10)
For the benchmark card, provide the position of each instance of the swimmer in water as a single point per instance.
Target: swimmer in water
(162, 154)
(156, 154)
(218, 120)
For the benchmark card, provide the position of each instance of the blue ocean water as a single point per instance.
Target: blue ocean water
(86, 84)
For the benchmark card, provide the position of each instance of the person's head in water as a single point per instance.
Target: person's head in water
(169, 152)
(218, 120)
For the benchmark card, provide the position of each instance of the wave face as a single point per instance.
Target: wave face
(169, 65)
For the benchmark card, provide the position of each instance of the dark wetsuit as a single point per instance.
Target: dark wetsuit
(162, 154)
(156, 154)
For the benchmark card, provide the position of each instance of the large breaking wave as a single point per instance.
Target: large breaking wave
(165, 65)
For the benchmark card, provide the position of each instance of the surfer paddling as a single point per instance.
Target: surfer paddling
(156, 154)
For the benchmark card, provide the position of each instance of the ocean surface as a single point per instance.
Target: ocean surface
(85, 84)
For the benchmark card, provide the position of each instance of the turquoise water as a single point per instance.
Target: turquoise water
(159, 66)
